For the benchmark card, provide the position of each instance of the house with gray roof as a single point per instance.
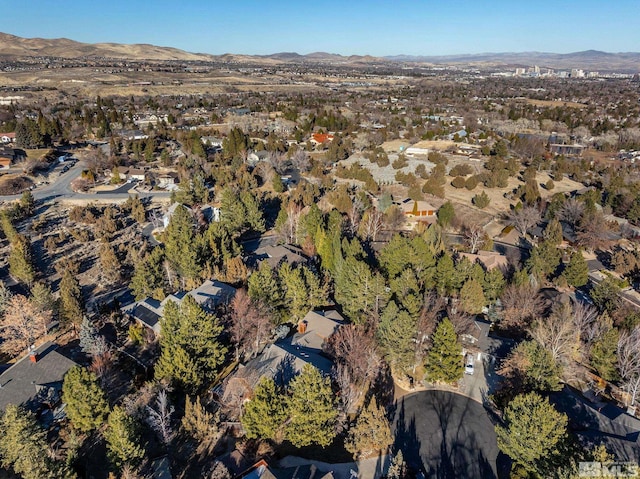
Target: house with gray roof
(209, 295)
(35, 380)
(286, 358)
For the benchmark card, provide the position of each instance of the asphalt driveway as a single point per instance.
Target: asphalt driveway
(445, 435)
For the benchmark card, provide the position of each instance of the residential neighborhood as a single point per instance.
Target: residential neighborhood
(317, 266)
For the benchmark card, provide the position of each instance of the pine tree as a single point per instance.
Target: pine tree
(603, 356)
(311, 409)
(445, 275)
(264, 286)
(360, 292)
(446, 214)
(532, 431)
(123, 440)
(191, 351)
(110, 264)
(148, 276)
(181, 245)
(42, 298)
(20, 262)
(395, 336)
(264, 415)
(197, 422)
(371, 432)
(86, 403)
(472, 298)
(24, 448)
(71, 306)
(577, 271)
(493, 284)
(91, 342)
(444, 360)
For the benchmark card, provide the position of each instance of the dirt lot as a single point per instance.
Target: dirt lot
(498, 202)
(14, 184)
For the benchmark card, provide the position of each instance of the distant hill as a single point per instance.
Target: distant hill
(13, 47)
(588, 60)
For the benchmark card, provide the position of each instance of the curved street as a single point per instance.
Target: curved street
(61, 188)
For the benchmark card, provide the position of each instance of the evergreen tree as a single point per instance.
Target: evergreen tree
(311, 409)
(577, 271)
(360, 292)
(253, 216)
(91, 342)
(603, 357)
(86, 403)
(302, 290)
(148, 276)
(20, 262)
(110, 264)
(42, 298)
(444, 360)
(123, 440)
(446, 214)
(264, 415)
(531, 367)
(27, 203)
(264, 285)
(493, 284)
(472, 298)
(532, 431)
(446, 277)
(181, 245)
(191, 351)
(24, 448)
(370, 433)
(71, 305)
(395, 335)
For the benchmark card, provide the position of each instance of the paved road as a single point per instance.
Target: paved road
(61, 188)
(446, 435)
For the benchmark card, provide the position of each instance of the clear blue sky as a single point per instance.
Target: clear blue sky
(375, 27)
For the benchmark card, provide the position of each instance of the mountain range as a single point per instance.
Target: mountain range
(13, 47)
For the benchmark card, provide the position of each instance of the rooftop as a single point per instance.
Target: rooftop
(25, 379)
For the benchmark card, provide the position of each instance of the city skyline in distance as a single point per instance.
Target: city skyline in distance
(378, 29)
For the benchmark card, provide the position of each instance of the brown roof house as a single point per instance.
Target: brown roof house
(416, 209)
(489, 259)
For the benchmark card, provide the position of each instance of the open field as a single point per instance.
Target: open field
(554, 104)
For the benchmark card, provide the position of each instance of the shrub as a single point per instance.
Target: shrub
(461, 170)
(481, 200)
(471, 183)
(458, 182)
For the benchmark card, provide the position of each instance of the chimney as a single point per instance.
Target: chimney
(302, 327)
(33, 357)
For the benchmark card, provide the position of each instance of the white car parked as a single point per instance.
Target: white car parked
(468, 364)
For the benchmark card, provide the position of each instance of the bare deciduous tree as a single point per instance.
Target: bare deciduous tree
(250, 324)
(557, 334)
(587, 324)
(354, 215)
(475, 237)
(520, 305)
(629, 362)
(371, 224)
(571, 211)
(159, 417)
(350, 393)
(524, 218)
(21, 325)
(592, 233)
(354, 347)
(288, 231)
